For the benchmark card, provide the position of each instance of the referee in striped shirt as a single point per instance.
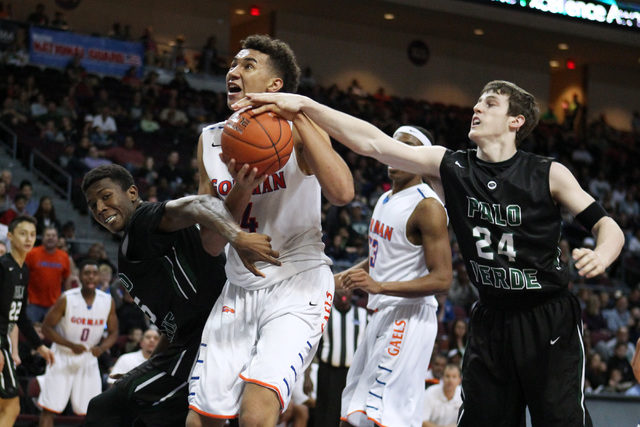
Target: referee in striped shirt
(340, 338)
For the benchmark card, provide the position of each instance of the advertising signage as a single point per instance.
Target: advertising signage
(612, 13)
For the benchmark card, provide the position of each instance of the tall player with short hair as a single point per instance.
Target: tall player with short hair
(525, 343)
(263, 332)
(409, 262)
(75, 324)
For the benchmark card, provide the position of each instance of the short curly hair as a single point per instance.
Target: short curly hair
(281, 58)
(114, 172)
(521, 102)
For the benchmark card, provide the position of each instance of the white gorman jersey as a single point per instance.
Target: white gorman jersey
(82, 324)
(392, 257)
(286, 207)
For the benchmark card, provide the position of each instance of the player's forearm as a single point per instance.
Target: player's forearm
(431, 284)
(52, 335)
(330, 169)
(205, 210)
(609, 238)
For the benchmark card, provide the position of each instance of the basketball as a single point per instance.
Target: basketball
(264, 141)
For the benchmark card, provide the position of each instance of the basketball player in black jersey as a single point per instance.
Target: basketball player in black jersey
(173, 279)
(14, 277)
(525, 343)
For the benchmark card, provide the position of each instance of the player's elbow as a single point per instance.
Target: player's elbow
(342, 195)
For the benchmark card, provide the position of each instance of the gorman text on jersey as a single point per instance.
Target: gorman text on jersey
(273, 183)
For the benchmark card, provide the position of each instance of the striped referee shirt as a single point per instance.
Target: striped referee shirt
(342, 335)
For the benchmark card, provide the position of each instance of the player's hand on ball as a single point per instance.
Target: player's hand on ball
(358, 278)
(286, 105)
(246, 178)
(588, 262)
(254, 247)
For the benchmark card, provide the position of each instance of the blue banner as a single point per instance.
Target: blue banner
(99, 55)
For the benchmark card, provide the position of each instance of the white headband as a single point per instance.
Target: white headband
(415, 133)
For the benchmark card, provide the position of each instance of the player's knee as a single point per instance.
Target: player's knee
(193, 420)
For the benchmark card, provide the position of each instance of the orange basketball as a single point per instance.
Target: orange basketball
(264, 141)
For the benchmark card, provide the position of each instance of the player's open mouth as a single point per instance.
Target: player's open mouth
(109, 219)
(475, 121)
(233, 88)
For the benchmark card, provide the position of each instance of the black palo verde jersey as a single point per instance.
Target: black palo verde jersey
(13, 300)
(507, 225)
(170, 276)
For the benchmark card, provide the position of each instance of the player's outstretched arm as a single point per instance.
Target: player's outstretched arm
(358, 135)
(315, 152)
(566, 190)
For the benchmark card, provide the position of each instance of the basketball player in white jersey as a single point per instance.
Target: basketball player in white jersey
(263, 331)
(409, 262)
(76, 324)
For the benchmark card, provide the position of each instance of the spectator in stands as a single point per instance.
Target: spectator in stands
(26, 188)
(150, 46)
(436, 369)
(7, 177)
(118, 32)
(94, 159)
(38, 107)
(150, 87)
(599, 186)
(131, 78)
(23, 104)
(68, 130)
(49, 271)
(618, 316)
(5, 200)
(127, 156)
(607, 348)
(74, 70)
(17, 208)
(17, 54)
(104, 129)
(178, 53)
(172, 171)
(38, 17)
(592, 316)
(173, 119)
(458, 336)
(59, 20)
(147, 174)
(462, 292)
(31, 88)
(46, 215)
(596, 373)
(10, 116)
(630, 205)
(69, 233)
(50, 133)
(148, 123)
(620, 361)
(179, 82)
(50, 115)
(442, 401)
(128, 361)
(210, 60)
